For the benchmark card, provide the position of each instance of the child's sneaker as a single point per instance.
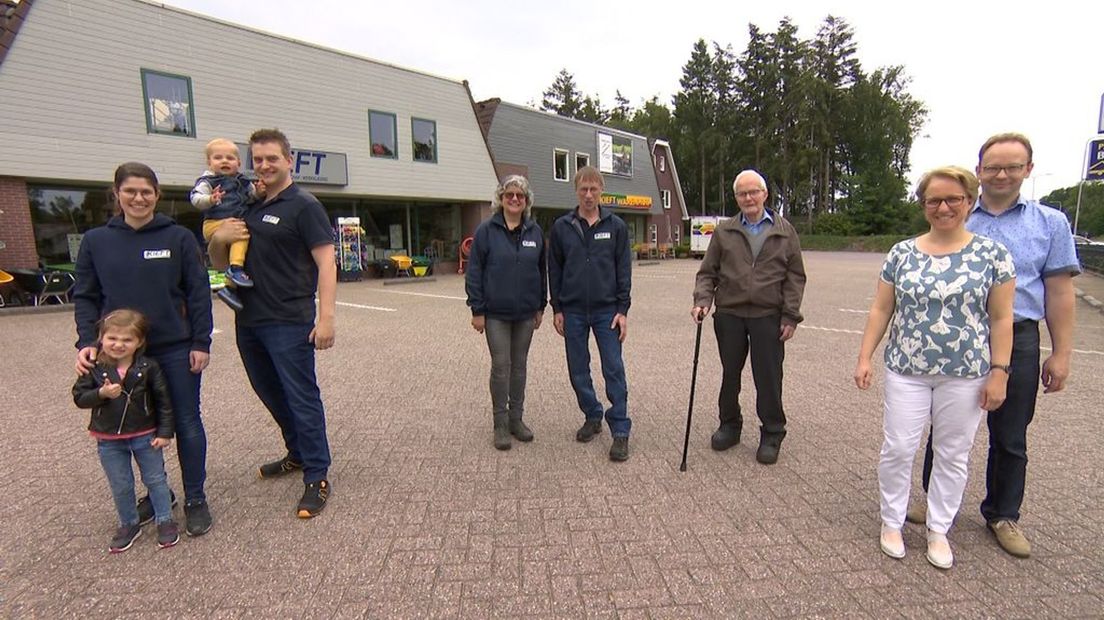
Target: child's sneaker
(230, 298)
(124, 538)
(168, 534)
(237, 275)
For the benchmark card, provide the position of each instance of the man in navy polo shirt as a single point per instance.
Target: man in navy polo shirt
(589, 277)
(1041, 244)
(290, 256)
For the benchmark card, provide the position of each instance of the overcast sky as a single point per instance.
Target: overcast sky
(980, 67)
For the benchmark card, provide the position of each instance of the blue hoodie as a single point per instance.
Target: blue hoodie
(156, 270)
(590, 267)
(506, 278)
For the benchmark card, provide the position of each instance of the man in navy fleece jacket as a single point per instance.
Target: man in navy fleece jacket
(590, 277)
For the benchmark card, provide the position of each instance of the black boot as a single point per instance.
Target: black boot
(519, 430)
(769, 444)
(501, 432)
(726, 436)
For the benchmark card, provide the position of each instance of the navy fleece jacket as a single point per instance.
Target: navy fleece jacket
(590, 267)
(156, 270)
(507, 277)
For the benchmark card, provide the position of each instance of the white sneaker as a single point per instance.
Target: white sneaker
(892, 543)
(939, 551)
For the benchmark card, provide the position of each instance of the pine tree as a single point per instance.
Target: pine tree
(563, 97)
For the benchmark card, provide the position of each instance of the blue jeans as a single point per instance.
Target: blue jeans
(577, 328)
(279, 361)
(115, 455)
(191, 439)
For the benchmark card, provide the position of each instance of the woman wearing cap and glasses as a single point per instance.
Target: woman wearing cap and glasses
(507, 286)
(947, 297)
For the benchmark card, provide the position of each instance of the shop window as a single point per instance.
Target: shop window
(678, 234)
(425, 139)
(559, 164)
(383, 134)
(653, 233)
(168, 103)
(666, 196)
(582, 160)
(60, 216)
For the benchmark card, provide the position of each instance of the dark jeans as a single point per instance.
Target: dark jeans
(279, 361)
(735, 335)
(577, 328)
(191, 439)
(508, 342)
(115, 456)
(1006, 470)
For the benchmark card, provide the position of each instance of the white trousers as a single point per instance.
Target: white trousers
(953, 405)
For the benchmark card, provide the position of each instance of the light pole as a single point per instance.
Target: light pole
(1035, 177)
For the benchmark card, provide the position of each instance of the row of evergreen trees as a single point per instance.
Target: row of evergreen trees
(832, 139)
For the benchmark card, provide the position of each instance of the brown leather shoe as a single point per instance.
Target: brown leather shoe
(1010, 537)
(917, 513)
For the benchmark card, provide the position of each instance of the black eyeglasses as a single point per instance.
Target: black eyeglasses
(992, 171)
(952, 201)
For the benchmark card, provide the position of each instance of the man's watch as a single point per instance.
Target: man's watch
(1005, 367)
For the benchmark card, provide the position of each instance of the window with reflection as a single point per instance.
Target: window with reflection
(60, 216)
(424, 134)
(168, 103)
(383, 135)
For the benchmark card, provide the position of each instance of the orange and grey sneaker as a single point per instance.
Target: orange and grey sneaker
(279, 468)
(1010, 537)
(314, 499)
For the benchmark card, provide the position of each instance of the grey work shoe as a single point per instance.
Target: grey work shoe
(589, 430)
(501, 432)
(519, 430)
(725, 437)
(769, 445)
(619, 451)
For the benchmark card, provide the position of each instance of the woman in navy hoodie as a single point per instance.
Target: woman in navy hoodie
(507, 287)
(142, 260)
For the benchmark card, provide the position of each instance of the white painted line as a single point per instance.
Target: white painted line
(216, 331)
(854, 331)
(381, 290)
(653, 277)
(853, 311)
(829, 329)
(363, 307)
(1084, 351)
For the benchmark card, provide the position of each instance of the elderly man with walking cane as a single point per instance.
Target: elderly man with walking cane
(754, 274)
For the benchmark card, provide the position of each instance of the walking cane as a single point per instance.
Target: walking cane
(693, 384)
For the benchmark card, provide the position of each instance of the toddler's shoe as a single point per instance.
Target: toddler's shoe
(237, 275)
(230, 298)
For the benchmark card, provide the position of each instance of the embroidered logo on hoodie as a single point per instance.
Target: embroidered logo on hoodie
(155, 254)
(602, 235)
(270, 219)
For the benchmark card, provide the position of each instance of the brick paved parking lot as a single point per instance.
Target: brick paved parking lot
(428, 520)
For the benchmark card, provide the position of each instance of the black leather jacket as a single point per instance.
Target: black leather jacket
(143, 405)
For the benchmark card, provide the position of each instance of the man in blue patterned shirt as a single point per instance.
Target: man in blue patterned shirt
(1041, 244)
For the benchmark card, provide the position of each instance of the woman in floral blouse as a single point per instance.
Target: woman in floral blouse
(947, 298)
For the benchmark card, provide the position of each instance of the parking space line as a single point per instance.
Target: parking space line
(364, 307)
(831, 329)
(422, 294)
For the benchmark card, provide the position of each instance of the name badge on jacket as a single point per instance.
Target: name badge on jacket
(155, 254)
(270, 219)
(528, 244)
(602, 235)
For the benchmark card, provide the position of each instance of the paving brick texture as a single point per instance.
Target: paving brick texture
(428, 520)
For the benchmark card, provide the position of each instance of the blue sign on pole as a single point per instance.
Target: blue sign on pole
(1094, 171)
